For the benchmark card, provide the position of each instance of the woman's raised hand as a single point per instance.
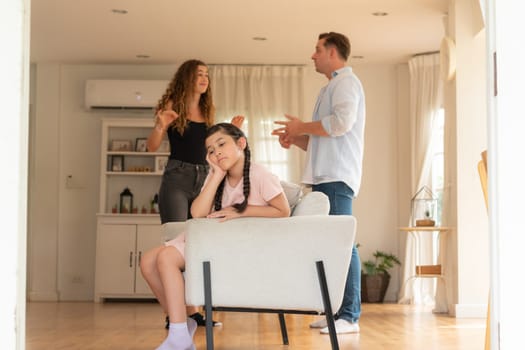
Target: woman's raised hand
(166, 117)
(238, 120)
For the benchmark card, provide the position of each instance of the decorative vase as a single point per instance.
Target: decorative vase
(373, 287)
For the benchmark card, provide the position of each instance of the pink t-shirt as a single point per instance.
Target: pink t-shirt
(264, 186)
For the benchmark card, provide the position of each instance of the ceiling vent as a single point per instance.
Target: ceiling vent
(124, 94)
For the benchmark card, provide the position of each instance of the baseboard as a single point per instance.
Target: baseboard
(468, 310)
(71, 296)
(40, 296)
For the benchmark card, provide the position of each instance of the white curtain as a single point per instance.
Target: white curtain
(263, 94)
(425, 101)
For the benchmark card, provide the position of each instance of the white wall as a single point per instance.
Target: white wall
(376, 207)
(404, 180)
(62, 222)
(506, 191)
(43, 187)
(465, 106)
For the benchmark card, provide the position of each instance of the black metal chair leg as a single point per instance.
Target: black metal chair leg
(284, 332)
(327, 305)
(208, 305)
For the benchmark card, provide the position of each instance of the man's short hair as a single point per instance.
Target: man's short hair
(340, 41)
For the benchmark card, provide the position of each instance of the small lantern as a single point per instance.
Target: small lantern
(126, 201)
(424, 208)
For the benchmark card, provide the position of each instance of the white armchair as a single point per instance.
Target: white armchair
(279, 265)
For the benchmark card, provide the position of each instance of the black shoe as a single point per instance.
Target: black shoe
(202, 322)
(198, 318)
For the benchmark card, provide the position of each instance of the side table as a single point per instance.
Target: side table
(436, 268)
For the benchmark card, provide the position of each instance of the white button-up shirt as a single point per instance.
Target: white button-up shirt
(341, 109)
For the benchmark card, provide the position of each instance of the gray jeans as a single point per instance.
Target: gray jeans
(181, 183)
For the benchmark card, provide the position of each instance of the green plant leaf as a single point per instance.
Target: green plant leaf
(381, 264)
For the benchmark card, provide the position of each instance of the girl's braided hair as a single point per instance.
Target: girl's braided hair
(179, 91)
(236, 134)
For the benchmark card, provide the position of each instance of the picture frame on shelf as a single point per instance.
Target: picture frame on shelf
(117, 163)
(141, 144)
(121, 145)
(160, 163)
(164, 146)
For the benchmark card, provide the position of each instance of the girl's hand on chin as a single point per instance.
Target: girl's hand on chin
(215, 169)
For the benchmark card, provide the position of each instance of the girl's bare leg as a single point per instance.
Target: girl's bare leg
(148, 267)
(150, 272)
(170, 264)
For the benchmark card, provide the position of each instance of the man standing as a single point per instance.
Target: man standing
(334, 142)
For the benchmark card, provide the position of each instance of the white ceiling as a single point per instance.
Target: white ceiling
(221, 31)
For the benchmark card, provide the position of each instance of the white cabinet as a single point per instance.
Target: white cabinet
(121, 242)
(123, 236)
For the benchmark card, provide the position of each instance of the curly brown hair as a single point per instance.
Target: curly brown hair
(179, 92)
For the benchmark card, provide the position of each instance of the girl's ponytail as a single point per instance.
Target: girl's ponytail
(218, 195)
(246, 181)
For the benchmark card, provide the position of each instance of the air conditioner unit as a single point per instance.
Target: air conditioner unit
(124, 94)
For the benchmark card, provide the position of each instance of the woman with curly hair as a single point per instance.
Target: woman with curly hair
(184, 113)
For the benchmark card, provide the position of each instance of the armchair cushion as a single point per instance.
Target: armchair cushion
(312, 203)
(293, 192)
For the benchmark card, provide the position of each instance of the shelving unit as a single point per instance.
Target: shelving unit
(122, 238)
(143, 184)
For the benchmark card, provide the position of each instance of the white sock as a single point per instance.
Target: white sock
(192, 327)
(178, 338)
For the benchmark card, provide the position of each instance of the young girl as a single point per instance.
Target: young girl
(233, 188)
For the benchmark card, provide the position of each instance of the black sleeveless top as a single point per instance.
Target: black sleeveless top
(188, 147)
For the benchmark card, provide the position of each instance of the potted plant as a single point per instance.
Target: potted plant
(375, 276)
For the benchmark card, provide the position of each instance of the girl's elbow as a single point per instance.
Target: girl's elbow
(194, 213)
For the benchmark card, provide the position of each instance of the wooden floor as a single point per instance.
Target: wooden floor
(139, 326)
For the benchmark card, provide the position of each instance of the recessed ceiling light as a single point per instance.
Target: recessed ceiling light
(142, 56)
(260, 38)
(379, 13)
(119, 11)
